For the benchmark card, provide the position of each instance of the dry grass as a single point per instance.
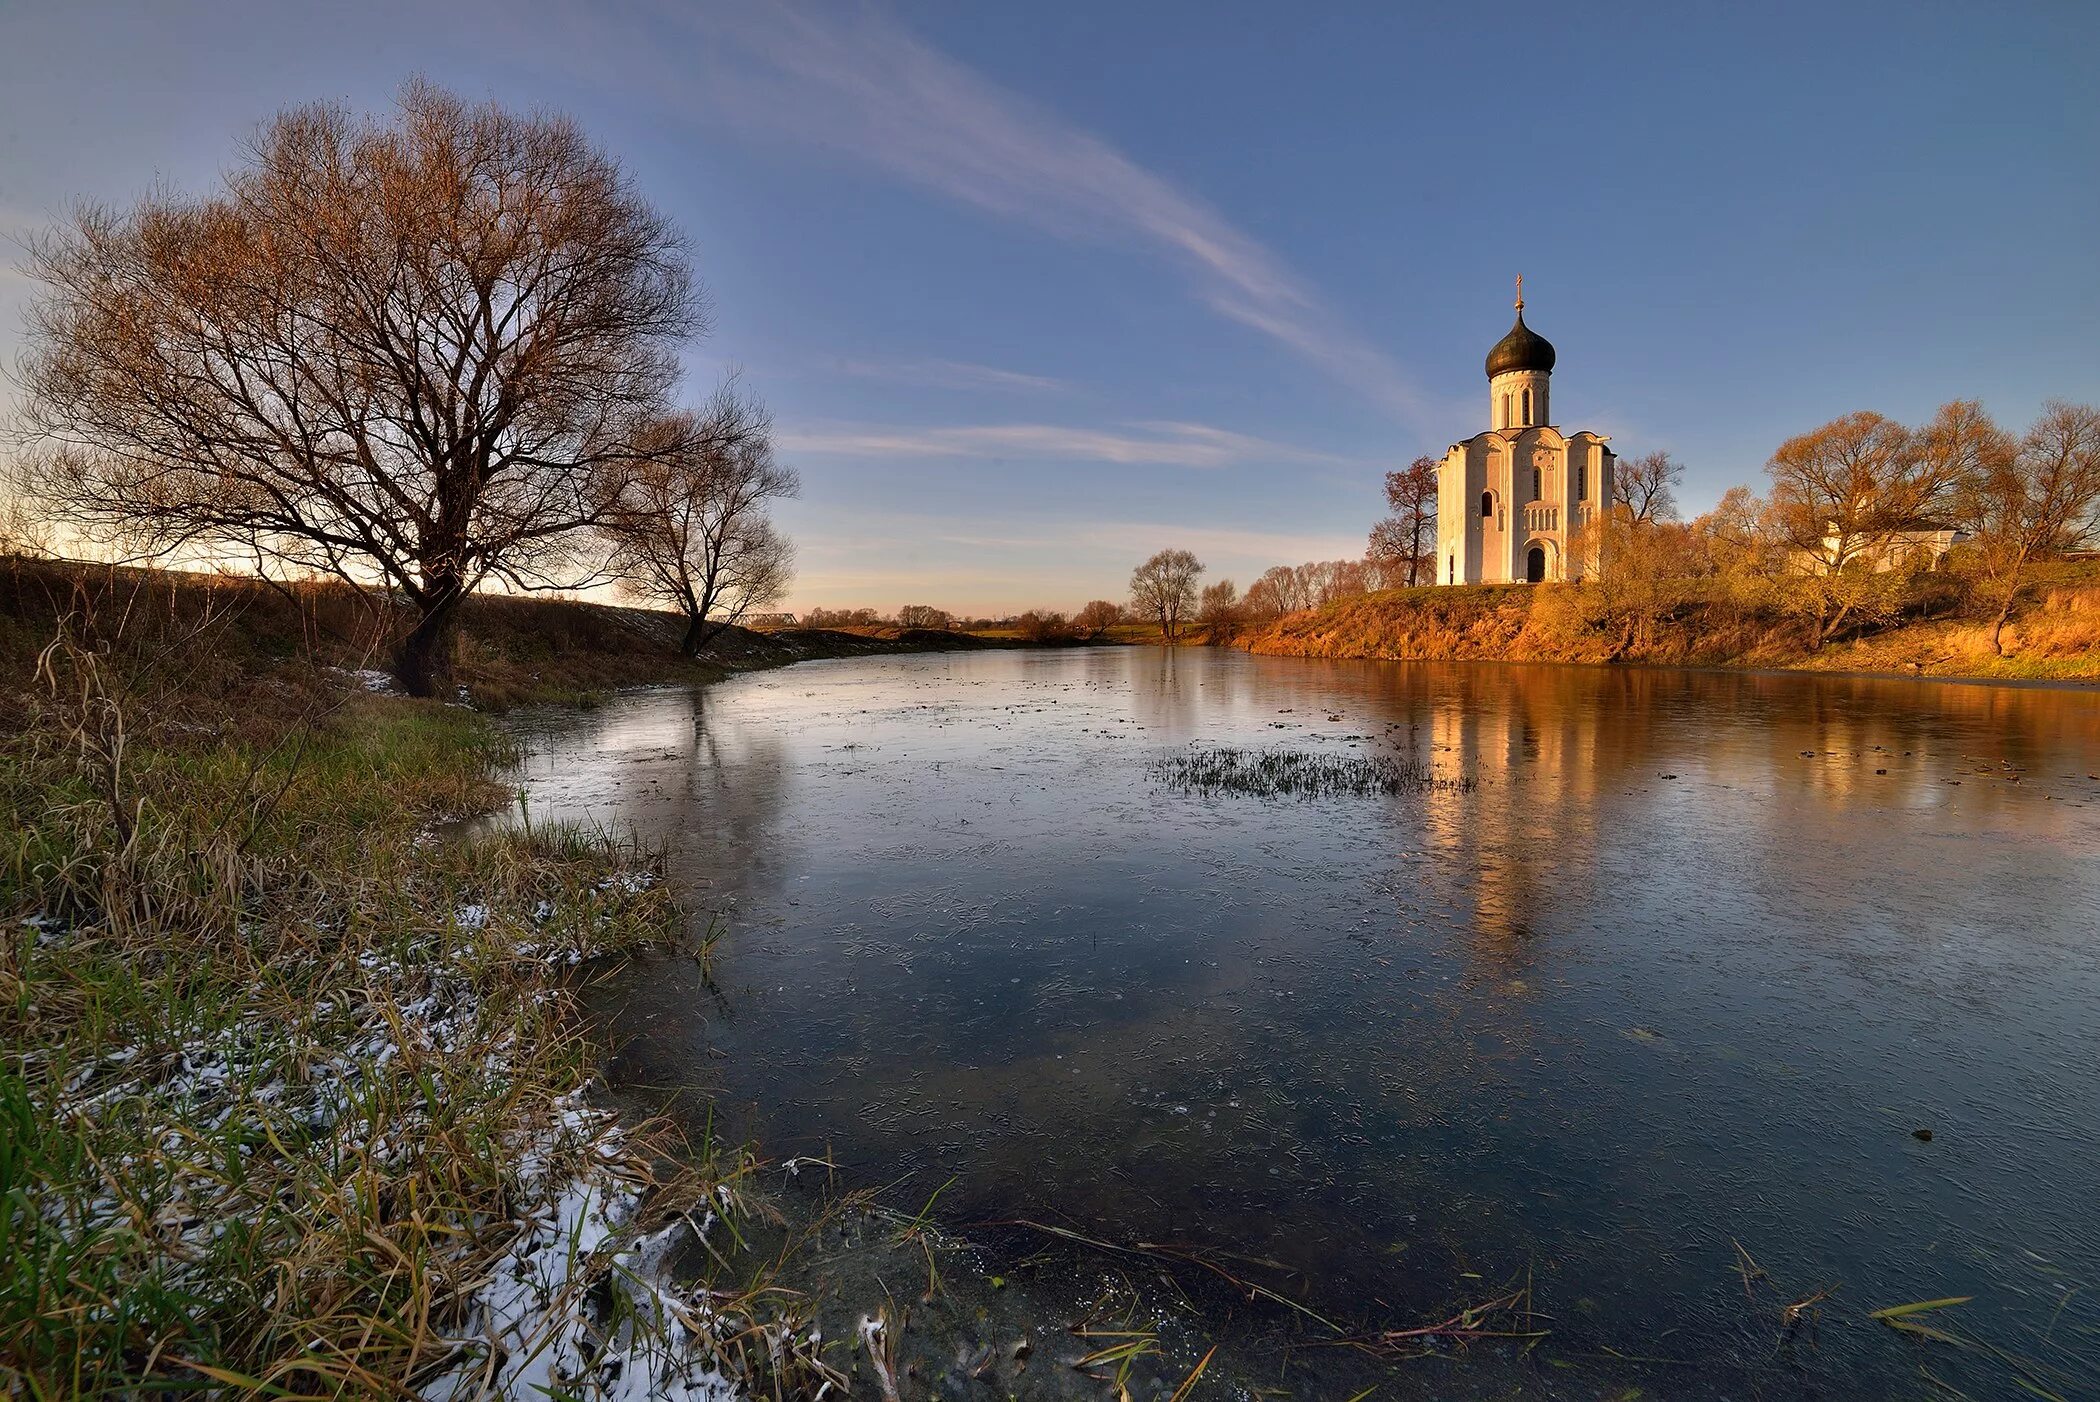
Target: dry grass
(1925, 629)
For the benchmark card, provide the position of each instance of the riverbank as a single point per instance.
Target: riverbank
(2054, 636)
(514, 649)
(294, 1095)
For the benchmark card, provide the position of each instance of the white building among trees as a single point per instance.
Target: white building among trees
(1522, 502)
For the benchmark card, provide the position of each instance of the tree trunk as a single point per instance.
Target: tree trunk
(2012, 592)
(695, 635)
(424, 660)
(1828, 629)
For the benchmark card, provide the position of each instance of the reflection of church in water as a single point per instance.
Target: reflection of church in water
(1513, 503)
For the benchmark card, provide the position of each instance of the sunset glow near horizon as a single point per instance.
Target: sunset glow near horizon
(1033, 293)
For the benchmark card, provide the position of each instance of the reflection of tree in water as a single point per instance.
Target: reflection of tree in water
(1164, 691)
(704, 774)
(725, 818)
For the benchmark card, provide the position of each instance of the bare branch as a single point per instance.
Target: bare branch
(401, 352)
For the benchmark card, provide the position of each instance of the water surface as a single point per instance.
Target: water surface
(1687, 968)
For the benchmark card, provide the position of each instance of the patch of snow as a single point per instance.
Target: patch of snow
(537, 1324)
(633, 881)
(531, 1330)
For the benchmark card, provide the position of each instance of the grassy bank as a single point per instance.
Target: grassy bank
(291, 1083)
(513, 650)
(287, 1082)
(1924, 630)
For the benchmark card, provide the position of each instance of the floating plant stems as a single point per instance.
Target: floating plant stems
(1269, 773)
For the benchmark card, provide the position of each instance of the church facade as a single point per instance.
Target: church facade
(1520, 503)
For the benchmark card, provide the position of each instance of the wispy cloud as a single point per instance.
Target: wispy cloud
(949, 374)
(855, 82)
(1156, 442)
(1249, 548)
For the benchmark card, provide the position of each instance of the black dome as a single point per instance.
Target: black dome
(1522, 349)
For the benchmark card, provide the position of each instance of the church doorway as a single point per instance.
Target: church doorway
(1535, 565)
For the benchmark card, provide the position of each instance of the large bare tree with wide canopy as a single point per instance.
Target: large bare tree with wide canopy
(403, 352)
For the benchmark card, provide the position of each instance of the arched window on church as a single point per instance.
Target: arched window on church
(1451, 562)
(1538, 485)
(1527, 406)
(1506, 400)
(1487, 505)
(1582, 481)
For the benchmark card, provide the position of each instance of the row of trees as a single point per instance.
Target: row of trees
(1850, 503)
(1037, 625)
(1166, 591)
(419, 355)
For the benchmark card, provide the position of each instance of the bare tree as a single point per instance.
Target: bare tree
(924, 616)
(1339, 579)
(1842, 493)
(1043, 626)
(1219, 609)
(1097, 618)
(1402, 541)
(1736, 536)
(687, 520)
(1277, 592)
(2025, 502)
(1164, 590)
(397, 352)
(1646, 487)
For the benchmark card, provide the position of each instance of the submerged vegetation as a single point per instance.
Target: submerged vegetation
(1299, 773)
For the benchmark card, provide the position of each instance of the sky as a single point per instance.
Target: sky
(1035, 290)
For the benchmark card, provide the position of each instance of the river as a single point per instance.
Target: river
(1711, 992)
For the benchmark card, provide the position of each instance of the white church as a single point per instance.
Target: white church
(1512, 503)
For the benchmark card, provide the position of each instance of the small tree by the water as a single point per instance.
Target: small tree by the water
(688, 521)
(1163, 589)
(1097, 618)
(1219, 609)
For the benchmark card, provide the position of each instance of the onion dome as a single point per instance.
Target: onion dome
(1522, 349)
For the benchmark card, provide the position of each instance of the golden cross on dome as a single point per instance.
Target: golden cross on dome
(1520, 292)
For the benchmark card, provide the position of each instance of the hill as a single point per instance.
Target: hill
(1924, 631)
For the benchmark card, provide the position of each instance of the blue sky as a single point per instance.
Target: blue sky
(1034, 290)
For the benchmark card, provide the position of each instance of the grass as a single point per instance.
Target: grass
(1299, 773)
(272, 1056)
